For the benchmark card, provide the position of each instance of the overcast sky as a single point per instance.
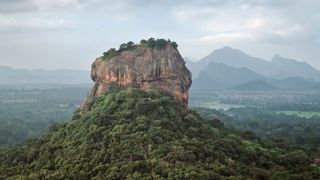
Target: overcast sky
(69, 34)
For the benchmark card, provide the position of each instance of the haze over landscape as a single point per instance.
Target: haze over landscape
(206, 89)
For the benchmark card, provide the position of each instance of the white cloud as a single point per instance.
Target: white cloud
(290, 31)
(225, 37)
(187, 14)
(54, 4)
(33, 6)
(10, 23)
(199, 26)
(248, 20)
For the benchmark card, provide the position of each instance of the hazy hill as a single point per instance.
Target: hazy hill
(281, 68)
(195, 67)
(63, 76)
(278, 68)
(205, 81)
(295, 83)
(257, 85)
(236, 58)
(221, 76)
(225, 76)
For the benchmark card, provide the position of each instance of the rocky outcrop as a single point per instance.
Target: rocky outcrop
(146, 68)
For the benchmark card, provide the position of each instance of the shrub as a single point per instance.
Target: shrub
(161, 43)
(143, 41)
(123, 46)
(174, 45)
(151, 43)
(130, 44)
(109, 54)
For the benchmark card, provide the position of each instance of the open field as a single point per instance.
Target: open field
(305, 114)
(214, 105)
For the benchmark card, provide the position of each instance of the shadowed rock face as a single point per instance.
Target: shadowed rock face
(163, 70)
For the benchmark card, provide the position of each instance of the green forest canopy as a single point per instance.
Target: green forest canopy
(133, 134)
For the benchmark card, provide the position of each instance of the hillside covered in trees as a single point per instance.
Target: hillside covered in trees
(133, 134)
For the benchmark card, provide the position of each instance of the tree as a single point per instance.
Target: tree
(174, 44)
(161, 43)
(110, 53)
(216, 123)
(151, 42)
(130, 44)
(143, 41)
(123, 46)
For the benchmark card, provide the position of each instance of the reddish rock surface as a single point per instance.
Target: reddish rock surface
(163, 70)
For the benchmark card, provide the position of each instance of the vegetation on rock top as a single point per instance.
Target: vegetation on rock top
(129, 46)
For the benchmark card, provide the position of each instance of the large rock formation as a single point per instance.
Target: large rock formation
(161, 69)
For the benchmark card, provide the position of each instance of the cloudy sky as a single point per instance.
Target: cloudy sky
(69, 34)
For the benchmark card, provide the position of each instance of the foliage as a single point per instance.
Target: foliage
(133, 134)
(151, 43)
(174, 45)
(161, 43)
(27, 113)
(288, 132)
(130, 46)
(110, 53)
(143, 41)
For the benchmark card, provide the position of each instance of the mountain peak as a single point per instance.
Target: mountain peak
(140, 66)
(235, 58)
(278, 58)
(227, 49)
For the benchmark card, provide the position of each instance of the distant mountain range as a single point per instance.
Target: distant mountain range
(231, 68)
(224, 68)
(63, 76)
(227, 75)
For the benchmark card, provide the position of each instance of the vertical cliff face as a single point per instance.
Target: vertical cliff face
(161, 69)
